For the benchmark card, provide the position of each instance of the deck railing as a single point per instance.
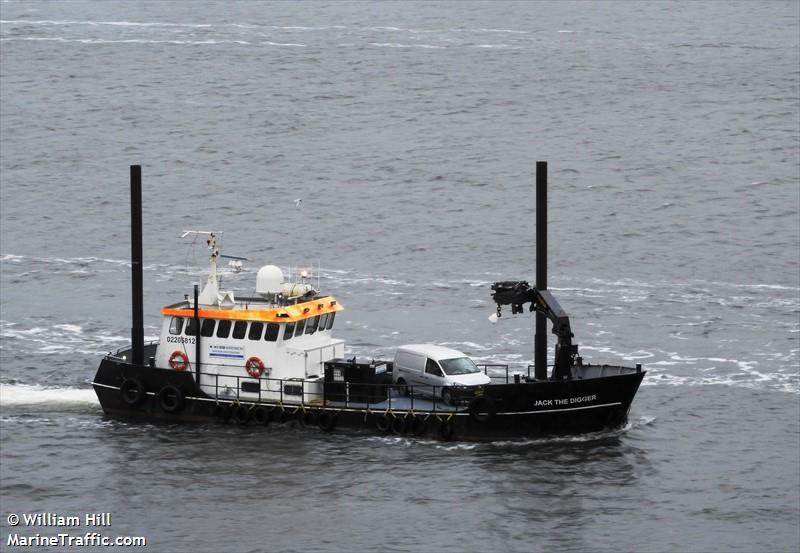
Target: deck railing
(314, 391)
(318, 393)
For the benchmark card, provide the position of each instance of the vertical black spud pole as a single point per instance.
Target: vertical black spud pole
(137, 309)
(540, 338)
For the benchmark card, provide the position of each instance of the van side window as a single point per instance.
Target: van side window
(224, 328)
(239, 329)
(331, 316)
(311, 327)
(176, 325)
(191, 327)
(271, 334)
(431, 367)
(301, 326)
(255, 331)
(207, 328)
(289, 332)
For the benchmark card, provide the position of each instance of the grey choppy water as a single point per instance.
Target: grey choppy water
(411, 131)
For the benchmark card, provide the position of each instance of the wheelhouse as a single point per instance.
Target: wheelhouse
(244, 347)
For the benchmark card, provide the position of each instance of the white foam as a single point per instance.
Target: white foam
(35, 394)
(95, 23)
(69, 328)
(509, 31)
(11, 257)
(61, 260)
(268, 43)
(128, 41)
(497, 46)
(396, 45)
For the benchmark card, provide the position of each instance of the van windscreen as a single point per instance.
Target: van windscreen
(459, 365)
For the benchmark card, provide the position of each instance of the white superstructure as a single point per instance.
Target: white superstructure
(270, 347)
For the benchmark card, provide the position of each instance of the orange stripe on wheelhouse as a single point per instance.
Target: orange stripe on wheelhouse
(286, 314)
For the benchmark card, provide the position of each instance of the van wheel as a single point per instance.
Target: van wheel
(402, 387)
(447, 396)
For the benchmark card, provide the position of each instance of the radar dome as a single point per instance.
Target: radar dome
(269, 280)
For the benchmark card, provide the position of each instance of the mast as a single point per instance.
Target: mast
(540, 337)
(137, 309)
(197, 336)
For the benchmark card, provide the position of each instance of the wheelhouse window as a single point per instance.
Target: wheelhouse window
(311, 326)
(289, 332)
(191, 327)
(207, 328)
(323, 321)
(239, 329)
(300, 327)
(256, 330)
(176, 325)
(224, 328)
(331, 317)
(271, 335)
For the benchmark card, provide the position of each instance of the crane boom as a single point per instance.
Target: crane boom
(517, 293)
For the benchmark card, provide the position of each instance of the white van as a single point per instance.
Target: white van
(437, 371)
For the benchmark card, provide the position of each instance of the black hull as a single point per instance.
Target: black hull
(510, 411)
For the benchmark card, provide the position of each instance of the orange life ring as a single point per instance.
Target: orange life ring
(179, 360)
(254, 366)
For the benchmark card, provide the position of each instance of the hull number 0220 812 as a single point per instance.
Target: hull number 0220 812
(180, 340)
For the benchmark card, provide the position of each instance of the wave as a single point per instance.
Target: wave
(168, 24)
(498, 46)
(95, 23)
(60, 338)
(396, 45)
(136, 41)
(35, 394)
(14, 258)
(407, 441)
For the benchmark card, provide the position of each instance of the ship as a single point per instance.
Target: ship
(273, 359)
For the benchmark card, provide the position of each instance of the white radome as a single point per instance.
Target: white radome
(269, 280)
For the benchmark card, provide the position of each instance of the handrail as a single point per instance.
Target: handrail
(129, 347)
(333, 342)
(507, 377)
(308, 397)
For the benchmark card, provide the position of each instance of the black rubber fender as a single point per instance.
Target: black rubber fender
(171, 399)
(326, 421)
(446, 430)
(281, 415)
(382, 423)
(241, 414)
(309, 418)
(261, 415)
(482, 409)
(132, 392)
(222, 412)
(399, 425)
(418, 426)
